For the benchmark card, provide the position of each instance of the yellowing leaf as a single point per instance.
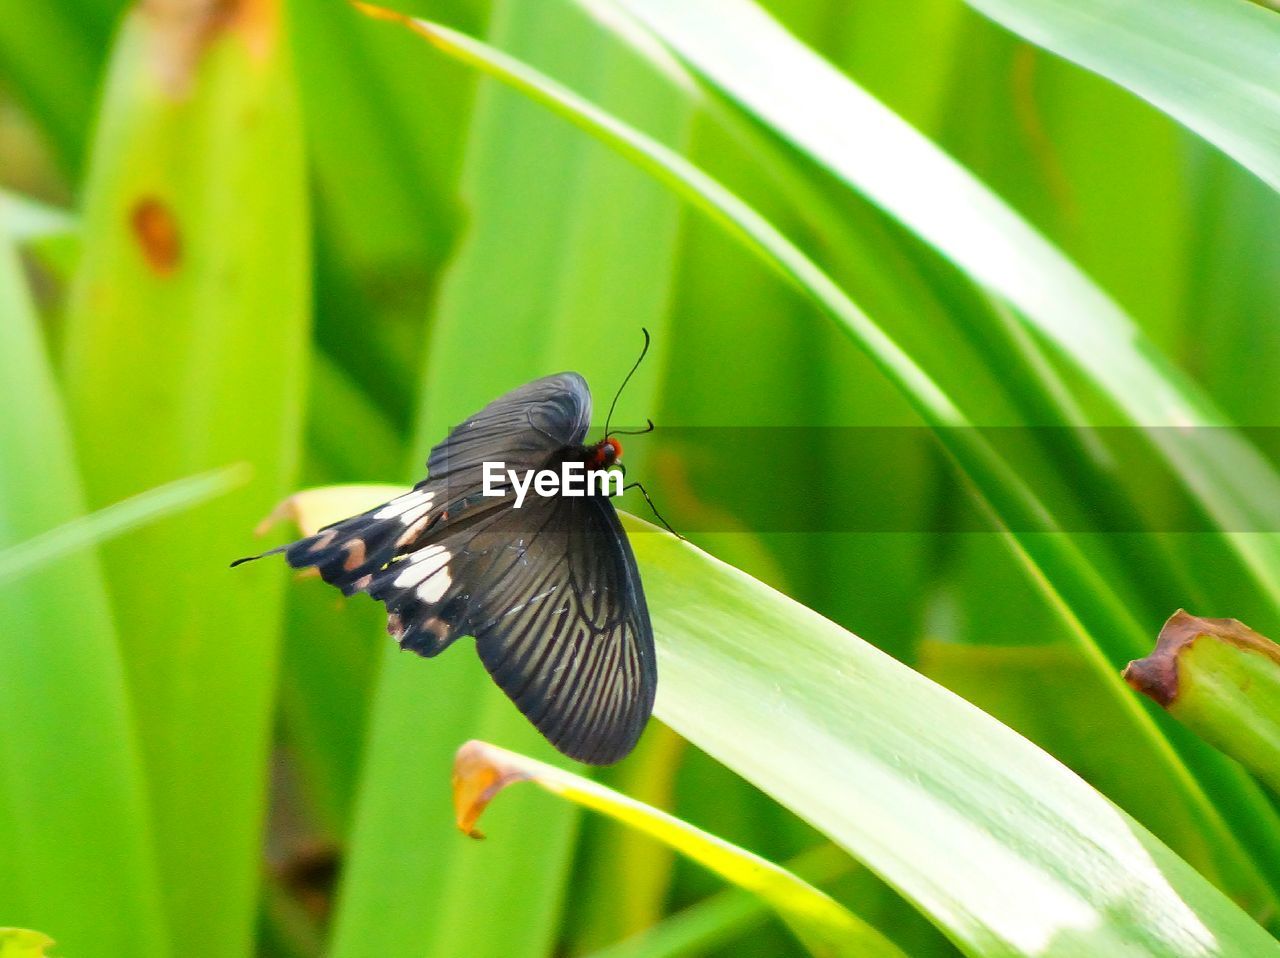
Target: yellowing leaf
(482, 770)
(22, 943)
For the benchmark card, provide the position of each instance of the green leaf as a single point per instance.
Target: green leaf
(1006, 850)
(1017, 852)
(1210, 64)
(1091, 609)
(482, 770)
(74, 841)
(21, 943)
(185, 347)
(1222, 680)
(385, 160)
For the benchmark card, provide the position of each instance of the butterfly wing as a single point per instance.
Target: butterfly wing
(550, 591)
(553, 597)
(522, 428)
(567, 634)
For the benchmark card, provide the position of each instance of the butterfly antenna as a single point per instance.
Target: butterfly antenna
(633, 432)
(609, 418)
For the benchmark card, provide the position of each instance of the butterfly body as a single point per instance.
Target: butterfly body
(550, 591)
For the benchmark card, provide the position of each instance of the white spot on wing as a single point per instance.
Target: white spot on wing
(416, 513)
(433, 589)
(405, 503)
(426, 569)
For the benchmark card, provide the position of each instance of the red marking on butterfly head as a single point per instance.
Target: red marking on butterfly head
(605, 453)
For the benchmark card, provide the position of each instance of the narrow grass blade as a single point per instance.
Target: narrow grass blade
(1001, 846)
(1210, 64)
(482, 770)
(1245, 849)
(1222, 680)
(105, 524)
(74, 839)
(185, 346)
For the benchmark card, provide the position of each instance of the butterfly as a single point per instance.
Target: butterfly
(550, 591)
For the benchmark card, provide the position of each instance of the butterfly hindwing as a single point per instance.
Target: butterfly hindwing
(565, 632)
(552, 596)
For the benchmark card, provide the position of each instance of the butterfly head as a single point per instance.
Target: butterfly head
(605, 453)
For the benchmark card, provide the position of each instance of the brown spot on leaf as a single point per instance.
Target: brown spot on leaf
(1157, 674)
(480, 772)
(156, 231)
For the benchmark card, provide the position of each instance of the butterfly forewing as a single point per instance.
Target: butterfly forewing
(522, 429)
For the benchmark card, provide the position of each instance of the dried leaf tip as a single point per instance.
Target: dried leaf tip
(480, 772)
(1156, 675)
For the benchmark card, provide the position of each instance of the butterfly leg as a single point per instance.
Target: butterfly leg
(645, 492)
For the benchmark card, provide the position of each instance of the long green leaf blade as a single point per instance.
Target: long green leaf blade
(743, 52)
(114, 520)
(69, 764)
(185, 345)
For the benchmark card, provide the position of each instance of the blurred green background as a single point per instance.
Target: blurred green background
(272, 247)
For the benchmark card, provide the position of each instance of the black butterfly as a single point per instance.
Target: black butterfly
(550, 591)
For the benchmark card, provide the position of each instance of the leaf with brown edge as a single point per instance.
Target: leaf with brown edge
(825, 927)
(1221, 679)
(480, 772)
(22, 943)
